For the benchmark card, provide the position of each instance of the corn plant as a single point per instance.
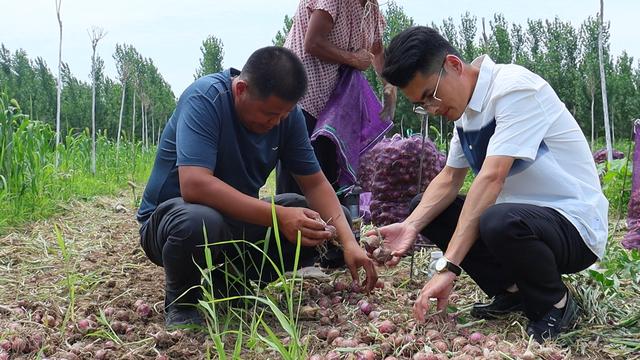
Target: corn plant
(31, 186)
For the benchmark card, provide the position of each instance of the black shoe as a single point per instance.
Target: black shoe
(182, 316)
(503, 304)
(554, 322)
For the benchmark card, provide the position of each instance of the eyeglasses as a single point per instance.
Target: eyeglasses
(432, 102)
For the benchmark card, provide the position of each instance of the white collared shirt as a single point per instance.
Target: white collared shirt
(514, 112)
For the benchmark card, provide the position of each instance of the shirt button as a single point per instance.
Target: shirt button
(470, 147)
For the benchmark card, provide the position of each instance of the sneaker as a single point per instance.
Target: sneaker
(554, 322)
(182, 316)
(503, 304)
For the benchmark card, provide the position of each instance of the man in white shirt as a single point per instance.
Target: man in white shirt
(535, 209)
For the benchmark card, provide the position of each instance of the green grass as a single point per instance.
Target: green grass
(32, 187)
(250, 326)
(269, 188)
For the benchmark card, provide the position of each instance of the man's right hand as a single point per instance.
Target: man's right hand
(292, 219)
(398, 238)
(361, 59)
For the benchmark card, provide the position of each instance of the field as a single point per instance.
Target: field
(75, 154)
(78, 286)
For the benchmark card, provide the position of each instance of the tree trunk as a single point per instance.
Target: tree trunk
(59, 90)
(95, 35)
(143, 128)
(124, 89)
(613, 126)
(484, 38)
(146, 127)
(593, 122)
(133, 119)
(93, 112)
(603, 85)
(159, 132)
(153, 130)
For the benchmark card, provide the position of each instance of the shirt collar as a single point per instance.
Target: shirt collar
(482, 84)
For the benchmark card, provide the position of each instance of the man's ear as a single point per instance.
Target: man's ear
(241, 88)
(453, 63)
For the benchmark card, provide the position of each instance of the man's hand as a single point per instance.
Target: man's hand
(355, 257)
(361, 59)
(398, 238)
(389, 101)
(292, 219)
(439, 287)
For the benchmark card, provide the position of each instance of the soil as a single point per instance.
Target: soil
(117, 310)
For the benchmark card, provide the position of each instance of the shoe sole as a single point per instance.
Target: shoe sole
(492, 314)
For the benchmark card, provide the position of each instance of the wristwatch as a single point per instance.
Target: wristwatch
(443, 264)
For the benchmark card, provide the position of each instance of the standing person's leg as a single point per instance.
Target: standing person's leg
(285, 183)
(326, 153)
(481, 265)
(173, 238)
(536, 245)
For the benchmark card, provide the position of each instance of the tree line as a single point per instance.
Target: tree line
(141, 100)
(139, 96)
(563, 54)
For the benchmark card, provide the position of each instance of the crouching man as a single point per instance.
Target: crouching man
(223, 140)
(535, 209)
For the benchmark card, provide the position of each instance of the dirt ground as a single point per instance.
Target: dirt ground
(117, 304)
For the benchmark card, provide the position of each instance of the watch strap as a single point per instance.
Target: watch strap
(454, 268)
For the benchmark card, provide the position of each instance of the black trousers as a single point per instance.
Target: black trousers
(174, 238)
(522, 244)
(326, 153)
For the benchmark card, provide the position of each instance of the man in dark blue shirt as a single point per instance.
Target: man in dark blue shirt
(223, 140)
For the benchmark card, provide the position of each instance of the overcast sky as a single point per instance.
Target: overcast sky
(171, 32)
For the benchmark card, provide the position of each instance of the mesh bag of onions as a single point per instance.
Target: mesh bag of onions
(390, 171)
(632, 239)
(600, 156)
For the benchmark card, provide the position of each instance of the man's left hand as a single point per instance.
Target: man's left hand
(389, 101)
(438, 287)
(355, 257)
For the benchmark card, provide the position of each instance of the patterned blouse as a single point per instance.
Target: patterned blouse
(355, 27)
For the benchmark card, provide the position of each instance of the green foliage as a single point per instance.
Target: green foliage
(619, 264)
(70, 278)
(615, 178)
(397, 21)
(563, 54)
(32, 84)
(32, 188)
(281, 35)
(212, 53)
(223, 318)
(500, 44)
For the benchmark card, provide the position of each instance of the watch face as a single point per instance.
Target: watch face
(441, 264)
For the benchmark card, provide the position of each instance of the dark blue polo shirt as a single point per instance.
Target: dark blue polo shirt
(204, 131)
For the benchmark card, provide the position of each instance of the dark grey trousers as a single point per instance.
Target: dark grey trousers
(174, 238)
(522, 244)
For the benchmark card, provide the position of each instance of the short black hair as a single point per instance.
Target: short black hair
(275, 70)
(418, 48)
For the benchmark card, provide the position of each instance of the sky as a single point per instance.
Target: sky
(171, 32)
